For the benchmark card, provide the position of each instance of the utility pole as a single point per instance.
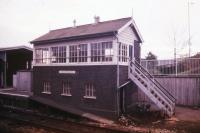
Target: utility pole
(189, 35)
(189, 41)
(175, 53)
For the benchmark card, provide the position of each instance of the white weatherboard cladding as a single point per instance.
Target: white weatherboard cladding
(127, 36)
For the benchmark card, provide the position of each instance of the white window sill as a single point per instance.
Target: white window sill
(68, 95)
(46, 92)
(77, 64)
(90, 97)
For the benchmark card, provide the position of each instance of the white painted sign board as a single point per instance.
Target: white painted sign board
(67, 72)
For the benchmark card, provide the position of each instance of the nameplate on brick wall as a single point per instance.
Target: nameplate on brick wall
(66, 72)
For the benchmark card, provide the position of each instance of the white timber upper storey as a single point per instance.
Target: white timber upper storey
(105, 50)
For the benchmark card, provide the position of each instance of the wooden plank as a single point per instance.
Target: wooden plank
(185, 89)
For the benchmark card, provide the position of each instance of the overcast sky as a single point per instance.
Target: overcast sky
(158, 20)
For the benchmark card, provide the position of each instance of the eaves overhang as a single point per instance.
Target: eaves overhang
(72, 38)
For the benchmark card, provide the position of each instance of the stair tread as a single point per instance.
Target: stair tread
(146, 85)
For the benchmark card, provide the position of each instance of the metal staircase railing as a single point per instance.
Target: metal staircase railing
(151, 87)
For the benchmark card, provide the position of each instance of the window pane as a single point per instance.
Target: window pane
(62, 54)
(82, 53)
(66, 88)
(89, 90)
(58, 54)
(78, 53)
(46, 87)
(123, 53)
(54, 54)
(41, 55)
(101, 52)
(107, 51)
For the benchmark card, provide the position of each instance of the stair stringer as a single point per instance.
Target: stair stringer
(146, 90)
(149, 87)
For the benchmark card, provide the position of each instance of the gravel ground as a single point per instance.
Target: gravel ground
(186, 120)
(8, 126)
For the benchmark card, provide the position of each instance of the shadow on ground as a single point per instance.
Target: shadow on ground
(185, 120)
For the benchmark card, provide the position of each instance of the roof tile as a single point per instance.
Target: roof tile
(88, 29)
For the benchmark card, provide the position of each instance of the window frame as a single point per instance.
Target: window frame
(89, 91)
(98, 51)
(46, 87)
(58, 54)
(85, 56)
(123, 52)
(78, 53)
(43, 55)
(66, 88)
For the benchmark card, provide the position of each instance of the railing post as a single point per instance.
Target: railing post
(129, 67)
(132, 65)
(176, 66)
(146, 64)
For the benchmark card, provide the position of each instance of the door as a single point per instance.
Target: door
(137, 51)
(131, 52)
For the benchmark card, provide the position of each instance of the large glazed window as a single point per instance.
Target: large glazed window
(78, 53)
(42, 55)
(71, 54)
(58, 54)
(123, 52)
(101, 52)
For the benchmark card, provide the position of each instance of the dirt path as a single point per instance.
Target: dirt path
(185, 120)
(187, 114)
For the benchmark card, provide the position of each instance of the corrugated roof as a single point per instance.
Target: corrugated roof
(15, 48)
(83, 30)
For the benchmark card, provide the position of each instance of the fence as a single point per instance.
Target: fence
(186, 89)
(184, 66)
(22, 81)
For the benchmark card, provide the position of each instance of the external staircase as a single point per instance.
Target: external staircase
(152, 88)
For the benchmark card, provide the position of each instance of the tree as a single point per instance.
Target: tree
(151, 56)
(151, 62)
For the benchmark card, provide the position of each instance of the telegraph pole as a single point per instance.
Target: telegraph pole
(189, 35)
(189, 39)
(175, 53)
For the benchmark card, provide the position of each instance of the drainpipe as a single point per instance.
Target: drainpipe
(118, 106)
(5, 70)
